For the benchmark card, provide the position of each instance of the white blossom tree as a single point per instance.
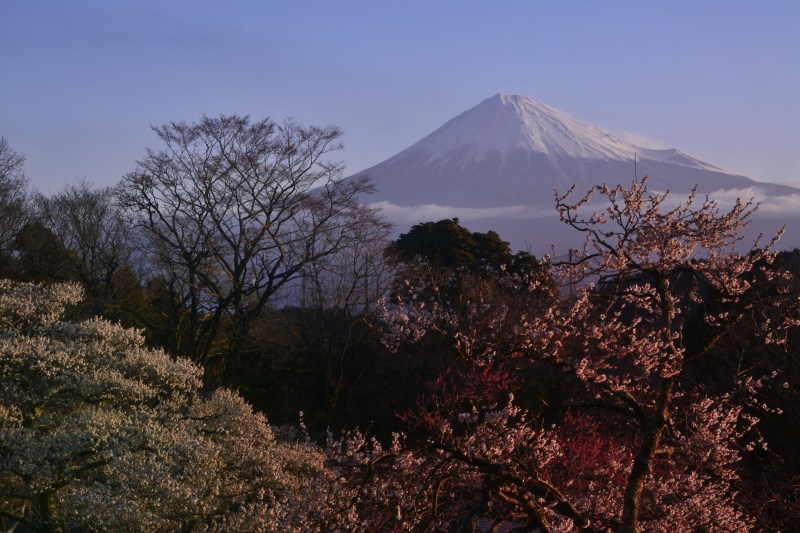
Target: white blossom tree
(101, 433)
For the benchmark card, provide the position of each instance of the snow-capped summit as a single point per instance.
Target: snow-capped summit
(509, 122)
(513, 150)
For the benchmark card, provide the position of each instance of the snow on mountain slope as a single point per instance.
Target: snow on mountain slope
(512, 150)
(506, 123)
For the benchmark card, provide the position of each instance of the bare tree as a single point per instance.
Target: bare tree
(234, 210)
(13, 186)
(89, 224)
(339, 292)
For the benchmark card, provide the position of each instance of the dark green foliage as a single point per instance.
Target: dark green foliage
(447, 244)
(443, 244)
(449, 258)
(39, 256)
(296, 369)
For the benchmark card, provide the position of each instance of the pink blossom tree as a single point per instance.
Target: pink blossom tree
(640, 445)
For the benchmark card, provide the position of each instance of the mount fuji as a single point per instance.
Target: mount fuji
(503, 158)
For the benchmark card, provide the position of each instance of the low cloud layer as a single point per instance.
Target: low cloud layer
(769, 205)
(538, 227)
(426, 212)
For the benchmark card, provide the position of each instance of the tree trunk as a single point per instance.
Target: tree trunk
(643, 463)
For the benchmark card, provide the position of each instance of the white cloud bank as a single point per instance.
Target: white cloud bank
(769, 205)
(433, 212)
(788, 204)
(537, 227)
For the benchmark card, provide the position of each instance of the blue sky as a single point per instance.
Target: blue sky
(81, 82)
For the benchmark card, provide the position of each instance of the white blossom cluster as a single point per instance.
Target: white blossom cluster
(99, 432)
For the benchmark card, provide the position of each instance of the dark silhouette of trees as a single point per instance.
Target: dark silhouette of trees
(38, 255)
(448, 245)
(340, 295)
(89, 224)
